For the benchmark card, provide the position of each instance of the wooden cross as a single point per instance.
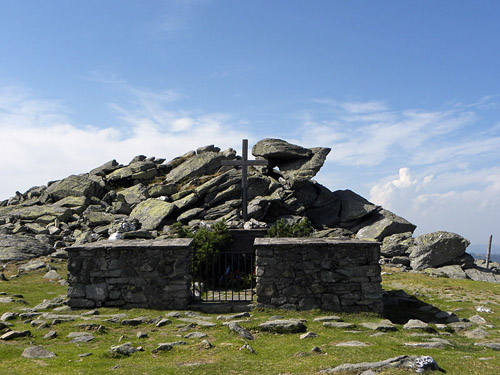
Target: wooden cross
(244, 164)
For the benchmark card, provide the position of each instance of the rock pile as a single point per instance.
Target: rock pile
(143, 198)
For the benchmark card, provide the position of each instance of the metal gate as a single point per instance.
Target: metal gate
(222, 276)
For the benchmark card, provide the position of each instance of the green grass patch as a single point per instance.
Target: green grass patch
(275, 353)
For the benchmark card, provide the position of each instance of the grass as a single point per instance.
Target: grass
(275, 353)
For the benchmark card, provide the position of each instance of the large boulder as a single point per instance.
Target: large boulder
(106, 168)
(295, 163)
(436, 249)
(20, 247)
(202, 164)
(322, 206)
(353, 207)
(152, 212)
(29, 213)
(278, 149)
(75, 186)
(384, 223)
(396, 245)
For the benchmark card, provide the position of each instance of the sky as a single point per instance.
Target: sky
(406, 93)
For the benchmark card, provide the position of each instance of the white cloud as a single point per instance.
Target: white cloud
(40, 143)
(441, 203)
(363, 107)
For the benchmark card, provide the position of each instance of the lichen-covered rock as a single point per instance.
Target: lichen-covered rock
(19, 247)
(283, 326)
(152, 212)
(76, 204)
(134, 194)
(271, 148)
(396, 244)
(295, 163)
(437, 248)
(37, 352)
(77, 186)
(384, 224)
(353, 207)
(202, 164)
(106, 168)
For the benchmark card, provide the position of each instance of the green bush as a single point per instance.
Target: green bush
(303, 228)
(207, 241)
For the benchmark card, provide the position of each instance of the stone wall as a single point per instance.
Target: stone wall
(128, 274)
(310, 273)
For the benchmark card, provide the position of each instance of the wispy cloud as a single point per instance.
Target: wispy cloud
(40, 142)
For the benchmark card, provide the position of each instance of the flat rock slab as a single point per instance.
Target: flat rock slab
(352, 343)
(478, 333)
(488, 344)
(283, 326)
(195, 335)
(459, 326)
(7, 300)
(415, 324)
(37, 352)
(384, 327)
(242, 332)
(340, 325)
(80, 337)
(234, 316)
(162, 347)
(426, 345)
(8, 316)
(133, 322)
(410, 362)
(331, 318)
(308, 335)
(14, 335)
(477, 319)
(124, 349)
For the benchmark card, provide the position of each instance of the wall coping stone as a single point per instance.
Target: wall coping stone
(286, 241)
(134, 244)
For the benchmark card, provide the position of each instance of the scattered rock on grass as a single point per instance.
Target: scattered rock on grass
(50, 335)
(124, 349)
(162, 347)
(248, 348)
(488, 344)
(420, 363)
(195, 335)
(14, 335)
(341, 325)
(381, 326)
(283, 326)
(37, 352)
(242, 332)
(352, 343)
(8, 316)
(308, 335)
(415, 324)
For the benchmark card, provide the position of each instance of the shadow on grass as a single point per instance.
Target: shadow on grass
(399, 307)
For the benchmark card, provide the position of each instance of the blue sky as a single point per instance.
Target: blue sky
(406, 93)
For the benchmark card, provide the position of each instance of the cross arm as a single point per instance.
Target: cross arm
(242, 162)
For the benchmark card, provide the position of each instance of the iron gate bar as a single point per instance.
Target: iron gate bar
(223, 277)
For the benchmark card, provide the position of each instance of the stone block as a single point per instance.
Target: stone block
(96, 292)
(76, 291)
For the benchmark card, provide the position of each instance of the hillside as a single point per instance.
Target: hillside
(457, 327)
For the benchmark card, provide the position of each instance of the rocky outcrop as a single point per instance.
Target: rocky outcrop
(21, 247)
(435, 249)
(143, 198)
(295, 163)
(75, 186)
(383, 224)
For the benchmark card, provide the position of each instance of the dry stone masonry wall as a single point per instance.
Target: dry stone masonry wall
(134, 273)
(303, 274)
